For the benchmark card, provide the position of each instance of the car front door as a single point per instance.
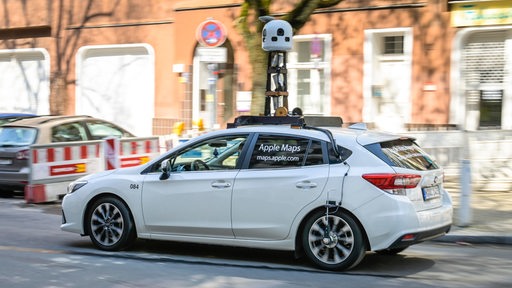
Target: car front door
(282, 175)
(196, 198)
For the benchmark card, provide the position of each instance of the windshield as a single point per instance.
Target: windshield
(17, 136)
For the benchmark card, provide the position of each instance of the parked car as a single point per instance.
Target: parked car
(10, 117)
(16, 137)
(330, 193)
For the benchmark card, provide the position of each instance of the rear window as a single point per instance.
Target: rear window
(17, 136)
(404, 153)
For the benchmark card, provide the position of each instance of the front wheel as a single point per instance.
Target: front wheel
(333, 242)
(110, 225)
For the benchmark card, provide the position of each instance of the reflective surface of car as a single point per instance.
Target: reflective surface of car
(17, 136)
(271, 187)
(10, 117)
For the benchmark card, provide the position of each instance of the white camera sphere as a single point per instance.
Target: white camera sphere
(277, 35)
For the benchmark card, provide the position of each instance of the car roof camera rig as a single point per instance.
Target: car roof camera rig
(277, 36)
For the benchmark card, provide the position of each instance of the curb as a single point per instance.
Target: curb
(475, 239)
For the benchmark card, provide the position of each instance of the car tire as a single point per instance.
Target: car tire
(336, 244)
(6, 194)
(110, 225)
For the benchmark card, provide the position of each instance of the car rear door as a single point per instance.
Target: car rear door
(280, 177)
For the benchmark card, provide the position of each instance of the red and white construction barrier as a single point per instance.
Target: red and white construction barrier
(111, 153)
(54, 166)
(138, 151)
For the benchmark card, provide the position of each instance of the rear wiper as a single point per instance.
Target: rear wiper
(430, 163)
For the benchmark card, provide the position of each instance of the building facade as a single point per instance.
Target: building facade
(146, 65)
(481, 57)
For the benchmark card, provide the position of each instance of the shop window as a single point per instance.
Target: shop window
(485, 73)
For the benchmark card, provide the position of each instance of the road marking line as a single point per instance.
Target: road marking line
(25, 249)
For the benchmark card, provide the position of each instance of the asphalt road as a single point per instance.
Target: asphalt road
(35, 253)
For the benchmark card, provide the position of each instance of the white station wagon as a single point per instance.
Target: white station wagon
(280, 183)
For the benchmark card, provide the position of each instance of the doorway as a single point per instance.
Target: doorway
(387, 78)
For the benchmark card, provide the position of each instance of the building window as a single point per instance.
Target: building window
(393, 45)
(309, 74)
(490, 108)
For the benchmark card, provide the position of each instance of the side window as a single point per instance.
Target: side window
(219, 153)
(333, 159)
(278, 152)
(102, 130)
(314, 155)
(68, 132)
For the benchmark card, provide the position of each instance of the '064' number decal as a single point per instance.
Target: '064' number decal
(134, 186)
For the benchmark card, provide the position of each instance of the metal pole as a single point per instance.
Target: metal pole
(465, 213)
(212, 95)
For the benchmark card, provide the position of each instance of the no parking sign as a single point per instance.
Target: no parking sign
(211, 33)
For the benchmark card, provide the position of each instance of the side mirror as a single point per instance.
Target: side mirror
(165, 166)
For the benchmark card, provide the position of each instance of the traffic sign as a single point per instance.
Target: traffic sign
(211, 33)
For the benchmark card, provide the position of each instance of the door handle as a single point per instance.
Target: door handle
(306, 185)
(221, 185)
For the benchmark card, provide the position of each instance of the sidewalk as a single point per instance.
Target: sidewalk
(491, 221)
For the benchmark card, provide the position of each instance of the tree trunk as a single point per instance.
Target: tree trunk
(259, 81)
(58, 95)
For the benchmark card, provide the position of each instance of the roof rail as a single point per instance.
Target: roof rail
(326, 121)
(59, 117)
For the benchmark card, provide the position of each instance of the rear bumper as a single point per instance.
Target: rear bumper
(414, 238)
(13, 180)
(394, 222)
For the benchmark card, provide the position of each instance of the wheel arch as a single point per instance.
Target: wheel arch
(299, 249)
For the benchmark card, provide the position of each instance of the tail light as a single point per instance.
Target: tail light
(23, 154)
(394, 183)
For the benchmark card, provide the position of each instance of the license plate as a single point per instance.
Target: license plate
(5, 162)
(431, 192)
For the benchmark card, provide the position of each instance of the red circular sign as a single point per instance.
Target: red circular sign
(211, 33)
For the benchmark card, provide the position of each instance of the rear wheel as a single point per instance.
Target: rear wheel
(333, 242)
(110, 225)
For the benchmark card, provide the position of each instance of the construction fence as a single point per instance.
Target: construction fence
(489, 153)
(54, 166)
